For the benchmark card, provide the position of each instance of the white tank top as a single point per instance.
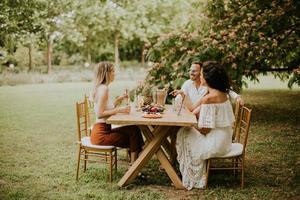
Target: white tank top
(109, 106)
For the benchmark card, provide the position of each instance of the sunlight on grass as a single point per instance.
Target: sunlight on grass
(269, 82)
(38, 151)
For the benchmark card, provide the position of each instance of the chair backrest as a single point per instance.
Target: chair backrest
(243, 127)
(237, 114)
(90, 108)
(82, 119)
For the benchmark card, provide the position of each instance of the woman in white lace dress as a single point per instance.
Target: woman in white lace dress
(213, 135)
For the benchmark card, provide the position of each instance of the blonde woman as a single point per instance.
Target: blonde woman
(102, 133)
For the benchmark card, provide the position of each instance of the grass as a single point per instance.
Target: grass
(37, 142)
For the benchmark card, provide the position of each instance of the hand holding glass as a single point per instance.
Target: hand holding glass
(124, 109)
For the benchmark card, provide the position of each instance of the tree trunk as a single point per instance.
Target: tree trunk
(142, 55)
(88, 51)
(30, 57)
(49, 55)
(117, 59)
(89, 57)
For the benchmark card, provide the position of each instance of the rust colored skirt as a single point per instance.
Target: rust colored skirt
(125, 137)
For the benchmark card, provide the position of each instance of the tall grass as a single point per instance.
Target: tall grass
(38, 151)
(60, 74)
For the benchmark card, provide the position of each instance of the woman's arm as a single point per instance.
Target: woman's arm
(196, 112)
(102, 94)
(202, 130)
(198, 102)
(119, 99)
(186, 100)
(236, 96)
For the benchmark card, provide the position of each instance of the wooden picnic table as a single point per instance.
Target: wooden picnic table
(155, 131)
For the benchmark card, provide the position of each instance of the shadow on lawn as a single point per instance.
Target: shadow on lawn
(274, 114)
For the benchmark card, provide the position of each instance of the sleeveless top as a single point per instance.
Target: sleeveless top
(109, 106)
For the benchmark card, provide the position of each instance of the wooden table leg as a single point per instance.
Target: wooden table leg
(165, 143)
(146, 155)
(163, 158)
(168, 146)
(173, 153)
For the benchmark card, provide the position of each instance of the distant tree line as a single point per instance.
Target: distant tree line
(249, 37)
(93, 30)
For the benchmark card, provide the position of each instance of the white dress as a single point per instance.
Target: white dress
(194, 148)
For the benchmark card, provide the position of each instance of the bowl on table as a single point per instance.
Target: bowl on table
(153, 111)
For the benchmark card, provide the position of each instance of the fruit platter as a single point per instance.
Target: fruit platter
(153, 108)
(152, 115)
(153, 111)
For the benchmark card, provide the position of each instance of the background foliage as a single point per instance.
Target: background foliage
(247, 37)
(92, 30)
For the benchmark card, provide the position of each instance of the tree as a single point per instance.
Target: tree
(90, 26)
(28, 40)
(248, 37)
(50, 18)
(103, 22)
(156, 17)
(18, 20)
(87, 31)
(258, 37)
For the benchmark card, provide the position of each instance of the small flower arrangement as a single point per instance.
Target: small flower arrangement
(145, 91)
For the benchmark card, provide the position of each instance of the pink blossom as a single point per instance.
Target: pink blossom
(232, 35)
(234, 66)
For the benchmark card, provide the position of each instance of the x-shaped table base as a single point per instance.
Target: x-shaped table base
(154, 139)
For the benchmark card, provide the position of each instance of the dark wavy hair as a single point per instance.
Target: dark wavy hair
(215, 76)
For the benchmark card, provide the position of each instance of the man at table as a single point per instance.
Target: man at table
(195, 91)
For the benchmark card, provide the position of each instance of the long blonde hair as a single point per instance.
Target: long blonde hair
(102, 73)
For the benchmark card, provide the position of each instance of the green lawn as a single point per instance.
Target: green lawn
(38, 151)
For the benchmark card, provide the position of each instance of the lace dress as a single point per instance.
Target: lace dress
(194, 148)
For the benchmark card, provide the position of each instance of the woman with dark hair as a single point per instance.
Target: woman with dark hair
(212, 136)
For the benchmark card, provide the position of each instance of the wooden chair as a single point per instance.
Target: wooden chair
(237, 114)
(238, 148)
(92, 118)
(86, 150)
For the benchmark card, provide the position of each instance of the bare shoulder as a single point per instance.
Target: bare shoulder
(208, 99)
(102, 90)
(214, 98)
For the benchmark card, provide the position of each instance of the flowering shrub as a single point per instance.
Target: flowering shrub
(295, 79)
(171, 57)
(247, 37)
